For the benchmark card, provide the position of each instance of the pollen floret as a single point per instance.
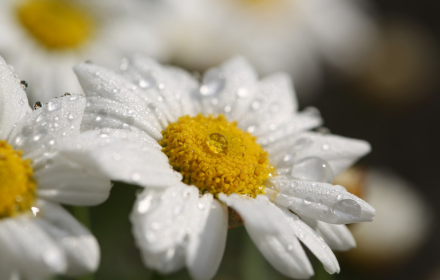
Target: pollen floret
(17, 187)
(55, 24)
(216, 156)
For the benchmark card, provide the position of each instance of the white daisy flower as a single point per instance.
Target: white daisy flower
(233, 141)
(275, 35)
(44, 38)
(37, 236)
(395, 236)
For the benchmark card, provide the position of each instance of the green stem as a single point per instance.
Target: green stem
(82, 215)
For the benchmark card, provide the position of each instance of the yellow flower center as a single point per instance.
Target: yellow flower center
(56, 24)
(216, 156)
(17, 188)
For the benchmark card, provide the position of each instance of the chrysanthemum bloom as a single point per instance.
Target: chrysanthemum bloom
(37, 236)
(232, 144)
(42, 39)
(292, 36)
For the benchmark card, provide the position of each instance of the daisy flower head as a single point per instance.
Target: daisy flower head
(229, 149)
(44, 38)
(37, 236)
(292, 36)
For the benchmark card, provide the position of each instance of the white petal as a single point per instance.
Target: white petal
(339, 152)
(79, 245)
(272, 106)
(38, 133)
(321, 201)
(165, 221)
(13, 100)
(67, 182)
(270, 230)
(99, 81)
(338, 237)
(36, 254)
(167, 86)
(314, 242)
(222, 87)
(6, 263)
(122, 157)
(298, 122)
(101, 113)
(207, 244)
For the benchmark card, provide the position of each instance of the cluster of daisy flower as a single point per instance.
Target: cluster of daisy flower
(44, 38)
(211, 153)
(227, 150)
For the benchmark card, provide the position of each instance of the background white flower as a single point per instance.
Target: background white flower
(403, 223)
(173, 223)
(42, 238)
(37, 39)
(279, 35)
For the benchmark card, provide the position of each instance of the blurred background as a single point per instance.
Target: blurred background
(371, 68)
(393, 101)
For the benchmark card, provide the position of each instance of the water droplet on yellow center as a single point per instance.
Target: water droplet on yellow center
(216, 156)
(56, 24)
(217, 143)
(17, 188)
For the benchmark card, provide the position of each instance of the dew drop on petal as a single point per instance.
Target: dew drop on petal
(125, 63)
(347, 209)
(252, 127)
(302, 143)
(177, 210)
(53, 105)
(147, 81)
(35, 210)
(288, 157)
(40, 135)
(129, 120)
(242, 92)
(155, 225)
(135, 177)
(256, 105)
(24, 84)
(313, 169)
(26, 130)
(213, 82)
(144, 205)
(37, 105)
(312, 111)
